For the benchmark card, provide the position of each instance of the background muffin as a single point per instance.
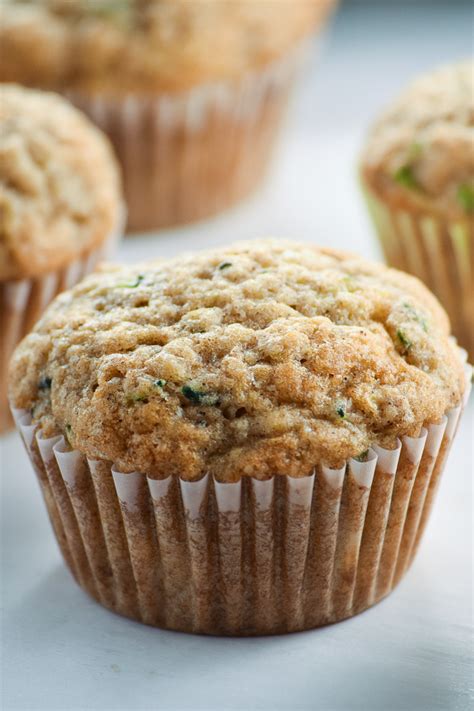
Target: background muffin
(191, 94)
(418, 173)
(248, 403)
(59, 207)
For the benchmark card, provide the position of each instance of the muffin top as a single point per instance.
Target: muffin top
(420, 154)
(147, 45)
(264, 358)
(59, 184)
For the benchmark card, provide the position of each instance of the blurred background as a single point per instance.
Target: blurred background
(369, 53)
(413, 653)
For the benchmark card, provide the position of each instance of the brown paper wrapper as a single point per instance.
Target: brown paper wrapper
(247, 558)
(189, 155)
(439, 252)
(22, 301)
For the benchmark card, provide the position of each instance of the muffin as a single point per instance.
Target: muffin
(418, 176)
(59, 208)
(244, 441)
(191, 93)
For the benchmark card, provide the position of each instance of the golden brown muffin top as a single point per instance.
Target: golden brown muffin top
(263, 358)
(59, 184)
(420, 153)
(147, 45)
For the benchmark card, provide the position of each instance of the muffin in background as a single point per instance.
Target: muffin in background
(60, 208)
(242, 441)
(418, 176)
(192, 94)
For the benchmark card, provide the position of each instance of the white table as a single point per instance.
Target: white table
(411, 652)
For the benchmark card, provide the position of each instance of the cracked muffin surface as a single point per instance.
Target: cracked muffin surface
(420, 153)
(147, 45)
(263, 358)
(59, 183)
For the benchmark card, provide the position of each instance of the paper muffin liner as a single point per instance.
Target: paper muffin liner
(439, 252)
(244, 558)
(22, 301)
(189, 155)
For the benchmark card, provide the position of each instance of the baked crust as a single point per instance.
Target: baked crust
(420, 153)
(135, 46)
(259, 359)
(59, 183)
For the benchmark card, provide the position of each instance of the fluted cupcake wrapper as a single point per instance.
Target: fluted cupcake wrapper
(191, 154)
(439, 252)
(22, 301)
(244, 558)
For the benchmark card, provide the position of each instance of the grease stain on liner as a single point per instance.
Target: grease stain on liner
(245, 558)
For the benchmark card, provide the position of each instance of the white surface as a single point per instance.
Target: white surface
(411, 652)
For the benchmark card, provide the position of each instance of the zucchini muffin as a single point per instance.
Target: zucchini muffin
(243, 441)
(190, 93)
(59, 208)
(418, 174)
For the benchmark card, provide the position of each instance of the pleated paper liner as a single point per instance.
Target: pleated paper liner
(22, 301)
(247, 558)
(439, 253)
(189, 155)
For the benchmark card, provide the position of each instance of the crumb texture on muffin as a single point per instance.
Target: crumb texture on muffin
(133, 45)
(59, 183)
(263, 358)
(420, 153)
